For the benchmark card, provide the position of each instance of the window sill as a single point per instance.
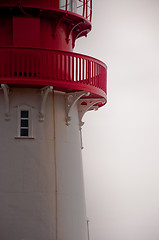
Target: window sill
(24, 137)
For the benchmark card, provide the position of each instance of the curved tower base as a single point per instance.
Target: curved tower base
(41, 179)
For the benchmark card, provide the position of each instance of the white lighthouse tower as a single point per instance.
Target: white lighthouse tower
(45, 91)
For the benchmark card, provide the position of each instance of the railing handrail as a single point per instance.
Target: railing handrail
(59, 51)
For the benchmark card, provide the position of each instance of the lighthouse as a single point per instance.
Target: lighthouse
(45, 90)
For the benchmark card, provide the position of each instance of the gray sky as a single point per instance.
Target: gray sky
(121, 153)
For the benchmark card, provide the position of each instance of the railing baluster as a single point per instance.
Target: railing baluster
(12, 63)
(83, 68)
(66, 4)
(89, 71)
(61, 68)
(76, 69)
(36, 65)
(57, 67)
(17, 65)
(99, 75)
(65, 67)
(90, 19)
(7, 64)
(46, 66)
(86, 8)
(53, 66)
(79, 69)
(41, 65)
(72, 68)
(69, 66)
(22, 64)
(95, 82)
(92, 73)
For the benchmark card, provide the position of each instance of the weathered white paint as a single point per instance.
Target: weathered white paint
(41, 178)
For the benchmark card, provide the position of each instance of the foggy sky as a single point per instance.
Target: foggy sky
(121, 140)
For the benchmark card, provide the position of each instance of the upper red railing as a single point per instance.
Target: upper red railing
(66, 71)
(81, 7)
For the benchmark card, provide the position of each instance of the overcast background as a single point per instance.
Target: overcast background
(121, 140)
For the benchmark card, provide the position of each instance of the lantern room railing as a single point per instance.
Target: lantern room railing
(80, 7)
(66, 71)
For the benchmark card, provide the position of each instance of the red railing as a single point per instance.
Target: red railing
(81, 7)
(66, 71)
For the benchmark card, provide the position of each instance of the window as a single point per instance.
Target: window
(69, 5)
(24, 122)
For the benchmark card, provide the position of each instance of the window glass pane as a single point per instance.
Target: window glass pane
(74, 6)
(24, 123)
(24, 114)
(69, 5)
(63, 4)
(24, 132)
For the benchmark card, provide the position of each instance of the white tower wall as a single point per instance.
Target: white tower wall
(41, 176)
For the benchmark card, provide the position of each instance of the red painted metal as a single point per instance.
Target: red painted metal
(36, 43)
(65, 71)
(42, 28)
